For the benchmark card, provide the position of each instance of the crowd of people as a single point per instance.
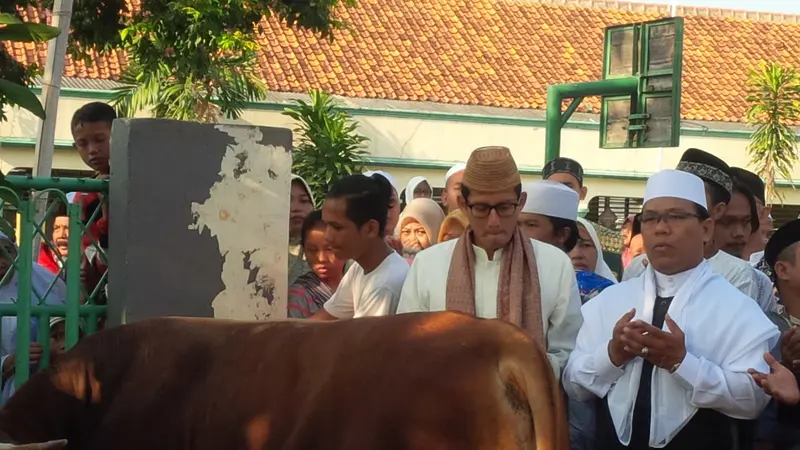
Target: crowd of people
(91, 130)
(692, 345)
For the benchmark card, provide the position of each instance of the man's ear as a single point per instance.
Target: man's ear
(372, 228)
(584, 192)
(781, 270)
(708, 230)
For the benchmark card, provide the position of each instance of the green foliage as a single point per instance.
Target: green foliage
(187, 59)
(329, 145)
(773, 93)
(195, 59)
(13, 76)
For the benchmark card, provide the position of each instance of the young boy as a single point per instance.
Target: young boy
(91, 132)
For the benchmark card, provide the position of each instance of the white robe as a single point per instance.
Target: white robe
(737, 271)
(425, 289)
(726, 334)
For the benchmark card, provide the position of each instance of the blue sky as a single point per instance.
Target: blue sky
(783, 6)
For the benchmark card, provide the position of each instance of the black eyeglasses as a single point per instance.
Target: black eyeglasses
(482, 210)
(651, 219)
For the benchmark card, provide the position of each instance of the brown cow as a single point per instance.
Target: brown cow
(414, 381)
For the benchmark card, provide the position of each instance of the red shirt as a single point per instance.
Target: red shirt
(90, 202)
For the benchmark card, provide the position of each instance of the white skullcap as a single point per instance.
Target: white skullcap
(552, 199)
(386, 175)
(676, 184)
(454, 170)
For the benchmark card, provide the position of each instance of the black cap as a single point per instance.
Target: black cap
(563, 165)
(752, 181)
(708, 167)
(784, 237)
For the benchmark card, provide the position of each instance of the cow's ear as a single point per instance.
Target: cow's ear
(51, 445)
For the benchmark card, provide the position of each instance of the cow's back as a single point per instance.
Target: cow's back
(413, 381)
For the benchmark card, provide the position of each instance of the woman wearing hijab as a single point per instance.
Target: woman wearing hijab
(592, 272)
(41, 280)
(453, 226)
(301, 203)
(418, 187)
(419, 226)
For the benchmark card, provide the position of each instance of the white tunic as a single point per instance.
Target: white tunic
(737, 271)
(726, 334)
(425, 289)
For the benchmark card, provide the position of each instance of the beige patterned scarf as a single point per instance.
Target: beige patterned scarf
(518, 292)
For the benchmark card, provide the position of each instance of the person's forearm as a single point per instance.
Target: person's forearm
(323, 315)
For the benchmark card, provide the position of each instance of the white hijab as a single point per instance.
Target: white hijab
(412, 184)
(601, 268)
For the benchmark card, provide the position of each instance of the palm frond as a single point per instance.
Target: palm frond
(773, 93)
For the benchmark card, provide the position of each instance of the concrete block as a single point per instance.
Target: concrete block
(198, 220)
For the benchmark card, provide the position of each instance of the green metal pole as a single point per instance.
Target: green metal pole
(65, 184)
(556, 93)
(552, 131)
(74, 256)
(24, 267)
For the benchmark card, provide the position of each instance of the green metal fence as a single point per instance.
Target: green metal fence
(81, 309)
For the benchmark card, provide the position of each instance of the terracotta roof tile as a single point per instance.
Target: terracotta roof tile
(487, 52)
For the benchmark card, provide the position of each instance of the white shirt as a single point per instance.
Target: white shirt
(725, 336)
(372, 294)
(737, 271)
(425, 289)
(756, 257)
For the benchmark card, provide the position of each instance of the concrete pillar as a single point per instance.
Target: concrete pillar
(198, 220)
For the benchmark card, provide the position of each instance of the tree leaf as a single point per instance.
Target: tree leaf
(6, 19)
(21, 96)
(28, 32)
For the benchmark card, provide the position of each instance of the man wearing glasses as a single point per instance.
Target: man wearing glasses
(493, 271)
(668, 353)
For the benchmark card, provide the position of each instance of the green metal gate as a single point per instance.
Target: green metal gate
(18, 199)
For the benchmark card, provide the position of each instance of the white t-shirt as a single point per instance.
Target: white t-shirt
(373, 294)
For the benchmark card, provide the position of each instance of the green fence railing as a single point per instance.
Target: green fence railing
(78, 299)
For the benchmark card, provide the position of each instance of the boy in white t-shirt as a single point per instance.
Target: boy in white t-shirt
(355, 211)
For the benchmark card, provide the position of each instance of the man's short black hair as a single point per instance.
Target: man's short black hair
(742, 188)
(367, 198)
(636, 225)
(465, 190)
(92, 113)
(313, 221)
(717, 193)
(560, 223)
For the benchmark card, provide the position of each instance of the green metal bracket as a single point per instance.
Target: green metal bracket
(556, 94)
(642, 65)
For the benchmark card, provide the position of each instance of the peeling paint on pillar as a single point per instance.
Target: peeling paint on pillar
(246, 211)
(199, 220)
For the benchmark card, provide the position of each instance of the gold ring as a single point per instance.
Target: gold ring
(645, 351)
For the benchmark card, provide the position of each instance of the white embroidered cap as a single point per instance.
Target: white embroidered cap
(454, 170)
(676, 184)
(386, 175)
(549, 198)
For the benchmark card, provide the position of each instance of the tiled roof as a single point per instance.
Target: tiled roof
(491, 53)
